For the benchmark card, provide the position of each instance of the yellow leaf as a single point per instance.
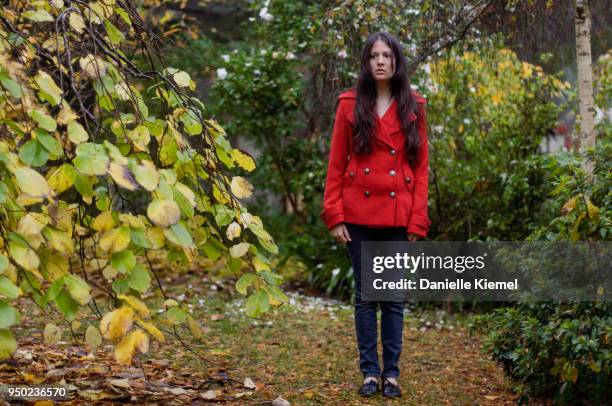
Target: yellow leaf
(77, 133)
(131, 220)
(569, 205)
(59, 240)
(53, 263)
(136, 304)
(140, 137)
(92, 66)
(24, 256)
(104, 222)
(164, 213)
(156, 237)
(194, 327)
(233, 230)
(147, 175)
(116, 323)
(239, 250)
(151, 329)
(52, 334)
(243, 160)
(32, 183)
(66, 114)
(260, 265)
(109, 272)
(61, 178)
(170, 303)
(241, 188)
(76, 22)
(92, 337)
(78, 289)
(136, 340)
(25, 200)
(527, 70)
(122, 176)
(32, 223)
(186, 192)
(182, 79)
(592, 210)
(116, 239)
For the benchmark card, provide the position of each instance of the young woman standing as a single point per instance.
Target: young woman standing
(376, 189)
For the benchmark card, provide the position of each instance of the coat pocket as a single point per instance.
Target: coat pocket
(408, 177)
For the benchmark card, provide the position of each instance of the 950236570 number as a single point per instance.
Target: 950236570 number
(9, 392)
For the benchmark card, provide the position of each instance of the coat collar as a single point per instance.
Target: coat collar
(390, 123)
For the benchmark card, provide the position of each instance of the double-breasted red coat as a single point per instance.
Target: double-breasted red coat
(378, 189)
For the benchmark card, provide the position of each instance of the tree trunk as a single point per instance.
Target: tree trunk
(586, 104)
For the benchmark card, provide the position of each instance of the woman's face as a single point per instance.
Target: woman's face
(382, 63)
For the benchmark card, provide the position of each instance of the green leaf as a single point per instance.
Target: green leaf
(179, 235)
(142, 107)
(13, 87)
(113, 32)
(123, 261)
(139, 279)
(8, 315)
(213, 249)
(177, 315)
(278, 294)
(139, 238)
(123, 15)
(77, 133)
(106, 102)
(184, 204)
(4, 192)
(271, 278)
(49, 91)
(91, 159)
(8, 288)
(44, 120)
(50, 143)
(257, 303)
(67, 305)
(192, 123)
(33, 153)
(3, 263)
(120, 286)
(54, 290)
(244, 282)
(39, 15)
(84, 185)
(223, 215)
(146, 175)
(8, 345)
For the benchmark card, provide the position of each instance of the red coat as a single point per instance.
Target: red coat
(380, 188)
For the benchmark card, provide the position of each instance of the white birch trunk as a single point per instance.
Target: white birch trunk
(586, 104)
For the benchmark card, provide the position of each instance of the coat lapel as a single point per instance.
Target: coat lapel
(389, 125)
(392, 125)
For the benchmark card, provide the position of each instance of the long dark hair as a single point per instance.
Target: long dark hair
(365, 106)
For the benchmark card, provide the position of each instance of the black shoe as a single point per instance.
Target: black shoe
(368, 389)
(391, 390)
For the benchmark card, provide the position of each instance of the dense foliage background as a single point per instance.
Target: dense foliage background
(137, 137)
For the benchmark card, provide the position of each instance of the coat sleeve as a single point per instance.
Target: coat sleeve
(333, 210)
(419, 220)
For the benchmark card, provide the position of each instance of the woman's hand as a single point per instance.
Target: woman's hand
(340, 233)
(413, 237)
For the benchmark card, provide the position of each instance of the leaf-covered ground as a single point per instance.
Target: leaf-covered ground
(304, 352)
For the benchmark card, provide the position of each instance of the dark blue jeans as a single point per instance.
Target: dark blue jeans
(392, 313)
